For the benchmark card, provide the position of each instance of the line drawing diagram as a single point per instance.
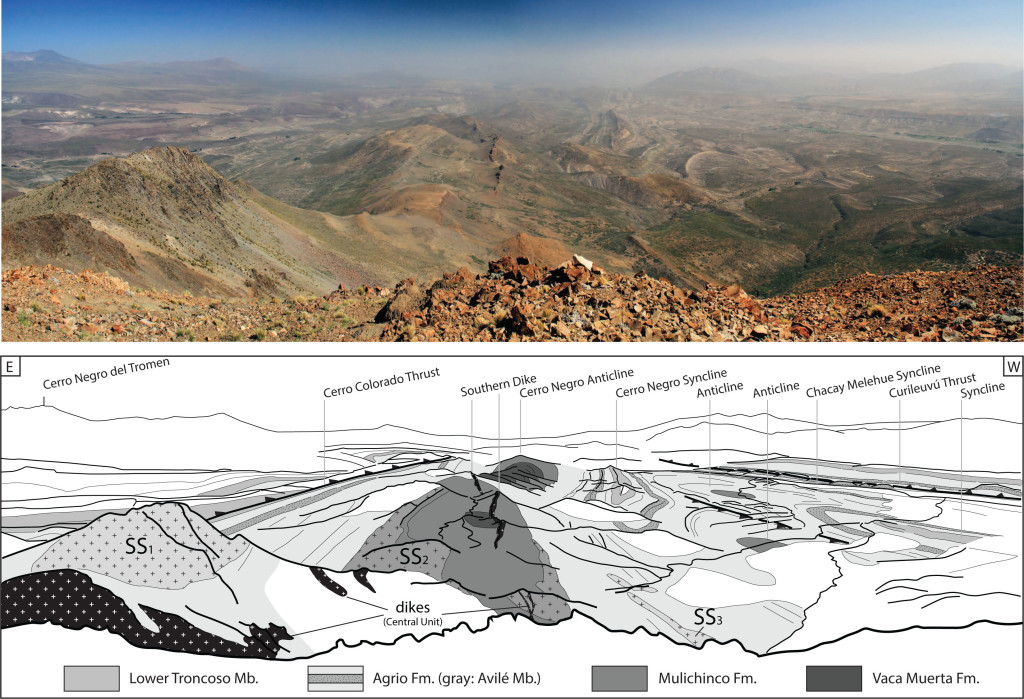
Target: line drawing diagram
(289, 527)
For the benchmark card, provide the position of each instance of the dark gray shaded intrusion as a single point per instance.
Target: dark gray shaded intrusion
(475, 541)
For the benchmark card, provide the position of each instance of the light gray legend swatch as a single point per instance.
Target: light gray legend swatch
(335, 678)
(618, 678)
(92, 678)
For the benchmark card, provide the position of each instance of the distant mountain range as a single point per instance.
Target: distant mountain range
(956, 77)
(51, 60)
(21, 66)
(766, 76)
(39, 58)
(21, 69)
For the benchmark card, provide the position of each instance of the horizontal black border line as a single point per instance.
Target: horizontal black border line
(653, 694)
(527, 355)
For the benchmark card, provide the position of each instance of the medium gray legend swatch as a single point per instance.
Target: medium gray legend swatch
(618, 678)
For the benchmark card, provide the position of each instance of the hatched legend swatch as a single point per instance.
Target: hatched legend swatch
(335, 678)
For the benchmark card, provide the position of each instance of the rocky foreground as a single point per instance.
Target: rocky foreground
(519, 301)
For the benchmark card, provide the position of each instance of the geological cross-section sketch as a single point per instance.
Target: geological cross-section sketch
(777, 507)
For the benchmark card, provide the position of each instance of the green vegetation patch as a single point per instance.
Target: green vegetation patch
(807, 211)
(703, 224)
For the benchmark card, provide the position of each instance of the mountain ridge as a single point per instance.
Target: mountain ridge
(187, 228)
(170, 210)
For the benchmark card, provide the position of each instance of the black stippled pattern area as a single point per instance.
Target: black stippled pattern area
(324, 579)
(70, 599)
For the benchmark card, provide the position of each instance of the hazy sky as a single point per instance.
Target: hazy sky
(593, 40)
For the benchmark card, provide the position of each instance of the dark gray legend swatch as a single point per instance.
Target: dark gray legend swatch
(92, 678)
(618, 678)
(335, 678)
(835, 678)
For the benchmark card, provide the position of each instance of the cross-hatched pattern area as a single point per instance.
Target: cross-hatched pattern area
(164, 545)
(335, 679)
(547, 605)
(383, 550)
(70, 599)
